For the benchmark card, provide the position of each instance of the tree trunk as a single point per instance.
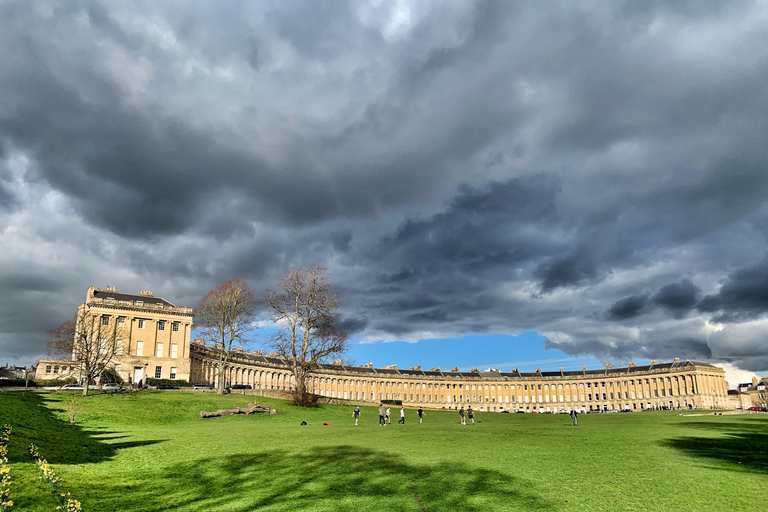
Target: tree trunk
(252, 408)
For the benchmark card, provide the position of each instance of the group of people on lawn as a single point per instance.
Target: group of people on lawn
(385, 418)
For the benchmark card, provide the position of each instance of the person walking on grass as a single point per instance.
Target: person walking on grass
(402, 415)
(461, 416)
(574, 417)
(357, 413)
(421, 415)
(382, 423)
(471, 414)
(388, 418)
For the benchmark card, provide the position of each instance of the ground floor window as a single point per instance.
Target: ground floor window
(173, 373)
(158, 371)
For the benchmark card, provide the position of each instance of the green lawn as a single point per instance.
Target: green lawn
(151, 451)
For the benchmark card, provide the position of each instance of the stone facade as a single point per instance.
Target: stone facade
(152, 335)
(683, 385)
(48, 369)
(757, 391)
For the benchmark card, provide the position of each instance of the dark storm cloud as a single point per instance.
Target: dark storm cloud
(572, 269)
(490, 229)
(594, 172)
(659, 349)
(744, 295)
(629, 307)
(678, 298)
(353, 325)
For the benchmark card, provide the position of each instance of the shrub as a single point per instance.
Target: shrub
(73, 408)
(392, 402)
(167, 382)
(109, 375)
(14, 383)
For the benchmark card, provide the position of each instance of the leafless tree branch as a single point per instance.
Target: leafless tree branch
(225, 315)
(304, 310)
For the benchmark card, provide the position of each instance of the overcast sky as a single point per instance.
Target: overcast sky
(592, 172)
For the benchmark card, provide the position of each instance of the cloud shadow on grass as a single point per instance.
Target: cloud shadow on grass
(330, 478)
(744, 445)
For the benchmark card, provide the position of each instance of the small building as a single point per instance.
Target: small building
(757, 390)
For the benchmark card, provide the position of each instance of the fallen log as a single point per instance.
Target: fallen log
(252, 408)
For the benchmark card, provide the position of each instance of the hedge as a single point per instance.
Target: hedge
(55, 382)
(36, 383)
(15, 383)
(391, 402)
(167, 382)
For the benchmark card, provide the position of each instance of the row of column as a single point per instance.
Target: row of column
(204, 371)
(639, 392)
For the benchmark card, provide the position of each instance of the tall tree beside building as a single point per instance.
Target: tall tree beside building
(224, 317)
(88, 341)
(303, 309)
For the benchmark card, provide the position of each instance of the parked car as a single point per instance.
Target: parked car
(241, 386)
(72, 386)
(203, 387)
(112, 386)
(753, 409)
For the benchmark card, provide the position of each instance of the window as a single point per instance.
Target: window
(174, 350)
(103, 345)
(121, 321)
(141, 323)
(175, 327)
(48, 368)
(159, 352)
(161, 325)
(158, 371)
(55, 369)
(173, 373)
(105, 320)
(139, 348)
(118, 347)
(117, 369)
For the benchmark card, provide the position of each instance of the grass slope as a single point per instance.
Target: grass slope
(151, 451)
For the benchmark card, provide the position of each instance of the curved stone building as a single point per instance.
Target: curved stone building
(680, 384)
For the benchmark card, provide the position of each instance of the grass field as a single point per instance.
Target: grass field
(151, 451)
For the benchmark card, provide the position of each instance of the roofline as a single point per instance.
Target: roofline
(360, 371)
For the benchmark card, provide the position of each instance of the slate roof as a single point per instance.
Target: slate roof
(106, 294)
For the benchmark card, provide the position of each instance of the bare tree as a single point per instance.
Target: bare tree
(225, 315)
(61, 341)
(92, 345)
(304, 311)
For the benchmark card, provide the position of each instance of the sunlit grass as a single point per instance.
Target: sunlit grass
(151, 451)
